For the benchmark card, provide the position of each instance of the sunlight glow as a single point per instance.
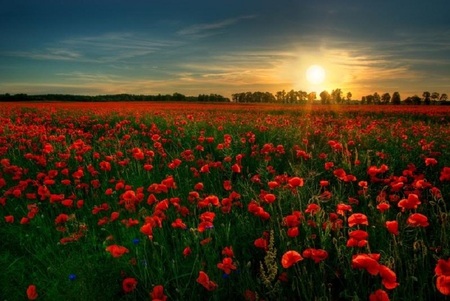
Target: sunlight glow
(315, 74)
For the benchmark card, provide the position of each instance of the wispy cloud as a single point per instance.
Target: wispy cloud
(208, 29)
(107, 48)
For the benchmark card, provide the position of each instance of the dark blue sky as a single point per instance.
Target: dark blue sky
(166, 46)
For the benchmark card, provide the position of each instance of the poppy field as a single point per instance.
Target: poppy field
(171, 201)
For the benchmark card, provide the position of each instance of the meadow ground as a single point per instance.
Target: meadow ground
(178, 201)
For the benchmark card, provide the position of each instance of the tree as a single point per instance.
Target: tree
(376, 98)
(443, 98)
(291, 97)
(363, 100)
(426, 98)
(312, 96)
(324, 97)
(369, 99)
(434, 97)
(385, 98)
(349, 97)
(336, 96)
(416, 100)
(396, 98)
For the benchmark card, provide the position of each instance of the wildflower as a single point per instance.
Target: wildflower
(315, 254)
(410, 203)
(227, 265)
(392, 227)
(228, 251)
(379, 295)
(72, 277)
(369, 262)
(357, 219)
(116, 251)
(31, 292)
(417, 219)
(289, 258)
(187, 251)
(388, 277)
(204, 280)
(158, 293)
(128, 285)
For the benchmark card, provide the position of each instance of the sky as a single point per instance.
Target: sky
(93, 47)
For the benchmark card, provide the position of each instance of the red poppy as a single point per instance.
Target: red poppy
(417, 219)
(158, 293)
(295, 182)
(228, 251)
(442, 267)
(443, 285)
(368, 262)
(203, 279)
(383, 207)
(129, 284)
(227, 265)
(31, 292)
(379, 295)
(178, 223)
(269, 198)
(357, 219)
(392, 227)
(389, 277)
(315, 254)
(410, 203)
(358, 238)
(61, 219)
(312, 209)
(116, 251)
(289, 258)
(187, 251)
(293, 232)
(9, 219)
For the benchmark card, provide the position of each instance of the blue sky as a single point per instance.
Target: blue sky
(164, 46)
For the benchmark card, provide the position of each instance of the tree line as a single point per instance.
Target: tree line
(114, 97)
(337, 96)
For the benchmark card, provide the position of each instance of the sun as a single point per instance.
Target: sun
(315, 74)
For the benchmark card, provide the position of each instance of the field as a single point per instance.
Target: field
(176, 201)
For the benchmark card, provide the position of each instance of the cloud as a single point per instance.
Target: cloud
(208, 29)
(107, 48)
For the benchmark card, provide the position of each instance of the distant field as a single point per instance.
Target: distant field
(182, 201)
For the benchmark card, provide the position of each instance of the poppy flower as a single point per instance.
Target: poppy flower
(129, 284)
(269, 198)
(9, 219)
(116, 251)
(227, 265)
(158, 293)
(368, 262)
(293, 232)
(357, 219)
(388, 276)
(379, 295)
(295, 182)
(315, 254)
(442, 267)
(410, 203)
(204, 280)
(443, 284)
(228, 251)
(312, 209)
(289, 258)
(187, 251)
(392, 227)
(31, 292)
(417, 219)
